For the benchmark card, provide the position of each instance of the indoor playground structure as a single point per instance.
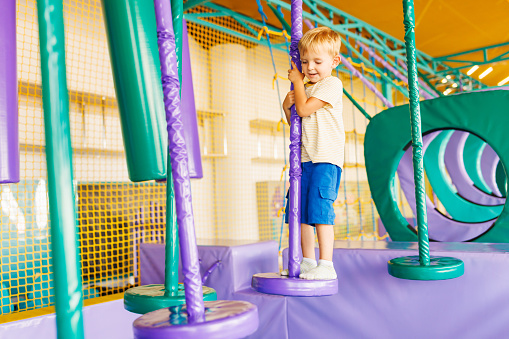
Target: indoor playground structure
(145, 159)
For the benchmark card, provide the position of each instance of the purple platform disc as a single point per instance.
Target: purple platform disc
(223, 319)
(274, 283)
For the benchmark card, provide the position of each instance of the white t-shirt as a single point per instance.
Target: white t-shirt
(323, 132)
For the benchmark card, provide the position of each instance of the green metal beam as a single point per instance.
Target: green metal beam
(483, 49)
(380, 40)
(193, 3)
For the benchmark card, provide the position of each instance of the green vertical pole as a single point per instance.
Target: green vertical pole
(172, 242)
(66, 269)
(177, 11)
(415, 117)
(387, 91)
(171, 247)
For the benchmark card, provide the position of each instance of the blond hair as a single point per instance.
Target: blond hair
(317, 38)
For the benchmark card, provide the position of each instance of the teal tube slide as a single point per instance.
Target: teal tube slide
(472, 160)
(458, 208)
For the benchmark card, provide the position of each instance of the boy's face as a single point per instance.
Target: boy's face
(317, 65)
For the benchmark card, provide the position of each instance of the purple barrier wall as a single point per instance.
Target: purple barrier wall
(9, 145)
(187, 105)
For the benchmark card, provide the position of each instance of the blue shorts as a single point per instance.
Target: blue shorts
(319, 189)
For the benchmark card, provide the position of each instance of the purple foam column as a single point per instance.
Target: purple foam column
(179, 162)
(9, 145)
(188, 108)
(295, 142)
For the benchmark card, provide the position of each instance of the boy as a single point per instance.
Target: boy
(320, 104)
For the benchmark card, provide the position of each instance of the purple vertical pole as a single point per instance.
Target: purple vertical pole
(9, 145)
(179, 162)
(295, 142)
(188, 108)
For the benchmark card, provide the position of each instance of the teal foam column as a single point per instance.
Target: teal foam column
(64, 251)
(131, 30)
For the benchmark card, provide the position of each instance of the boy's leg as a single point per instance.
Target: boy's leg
(307, 237)
(325, 235)
(325, 269)
(307, 241)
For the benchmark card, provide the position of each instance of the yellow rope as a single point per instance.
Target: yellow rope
(361, 65)
(281, 210)
(283, 171)
(278, 128)
(266, 29)
(274, 79)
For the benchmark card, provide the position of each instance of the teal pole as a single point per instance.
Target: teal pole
(171, 246)
(177, 12)
(356, 104)
(64, 251)
(415, 118)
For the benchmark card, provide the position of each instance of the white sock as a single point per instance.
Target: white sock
(306, 265)
(324, 271)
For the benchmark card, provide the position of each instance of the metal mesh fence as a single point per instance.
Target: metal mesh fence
(244, 144)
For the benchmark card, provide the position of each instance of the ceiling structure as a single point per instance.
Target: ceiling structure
(443, 28)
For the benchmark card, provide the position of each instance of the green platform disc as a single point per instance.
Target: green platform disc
(148, 298)
(440, 268)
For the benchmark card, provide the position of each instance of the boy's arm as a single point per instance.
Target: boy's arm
(305, 106)
(288, 114)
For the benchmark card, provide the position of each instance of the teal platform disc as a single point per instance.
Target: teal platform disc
(148, 298)
(440, 268)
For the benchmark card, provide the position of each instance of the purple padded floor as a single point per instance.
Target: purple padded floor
(103, 320)
(370, 302)
(373, 304)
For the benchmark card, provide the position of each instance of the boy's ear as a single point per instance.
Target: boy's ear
(336, 61)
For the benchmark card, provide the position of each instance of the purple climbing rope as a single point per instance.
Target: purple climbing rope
(295, 144)
(179, 162)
